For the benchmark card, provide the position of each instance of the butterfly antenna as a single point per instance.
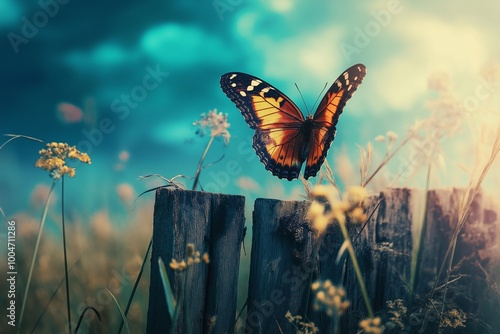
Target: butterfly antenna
(320, 94)
(305, 105)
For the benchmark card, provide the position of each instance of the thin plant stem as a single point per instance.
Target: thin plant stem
(468, 199)
(13, 137)
(336, 323)
(386, 160)
(317, 244)
(50, 300)
(68, 304)
(35, 252)
(136, 284)
(417, 260)
(464, 211)
(88, 308)
(355, 264)
(123, 316)
(200, 163)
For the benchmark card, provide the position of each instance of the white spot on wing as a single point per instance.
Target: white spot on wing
(242, 93)
(233, 85)
(265, 90)
(346, 75)
(249, 88)
(232, 76)
(255, 82)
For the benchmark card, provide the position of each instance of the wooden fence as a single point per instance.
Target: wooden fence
(214, 223)
(282, 261)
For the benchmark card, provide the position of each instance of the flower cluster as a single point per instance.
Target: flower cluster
(454, 318)
(325, 207)
(329, 298)
(301, 326)
(371, 325)
(53, 158)
(216, 122)
(192, 257)
(398, 311)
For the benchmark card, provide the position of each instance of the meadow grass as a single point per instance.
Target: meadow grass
(102, 260)
(44, 303)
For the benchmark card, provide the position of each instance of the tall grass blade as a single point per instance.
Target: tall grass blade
(417, 253)
(136, 284)
(124, 318)
(51, 298)
(35, 252)
(18, 136)
(68, 304)
(88, 308)
(169, 295)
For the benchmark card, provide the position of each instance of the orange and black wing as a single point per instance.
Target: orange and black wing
(279, 139)
(326, 116)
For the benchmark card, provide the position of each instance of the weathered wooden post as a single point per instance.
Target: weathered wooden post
(214, 223)
(385, 249)
(280, 265)
(282, 261)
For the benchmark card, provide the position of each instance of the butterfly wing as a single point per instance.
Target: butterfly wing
(279, 137)
(326, 116)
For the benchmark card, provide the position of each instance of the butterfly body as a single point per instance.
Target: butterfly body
(283, 138)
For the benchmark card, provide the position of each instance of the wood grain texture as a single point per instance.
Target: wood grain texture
(215, 224)
(280, 264)
(282, 258)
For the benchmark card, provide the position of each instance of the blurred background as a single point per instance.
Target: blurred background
(125, 80)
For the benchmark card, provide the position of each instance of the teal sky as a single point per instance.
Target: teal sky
(97, 57)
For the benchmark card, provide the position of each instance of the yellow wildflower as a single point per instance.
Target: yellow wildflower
(371, 325)
(355, 196)
(329, 298)
(301, 326)
(192, 257)
(325, 209)
(205, 258)
(53, 158)
(358, 215)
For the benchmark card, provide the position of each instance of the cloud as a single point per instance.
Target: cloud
(104, 56)
(279, 6)
(304, 56)
(438, 41)
(283, 47)
(429, 44)
(181, 46)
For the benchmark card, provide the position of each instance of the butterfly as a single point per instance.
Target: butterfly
(283, 138)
